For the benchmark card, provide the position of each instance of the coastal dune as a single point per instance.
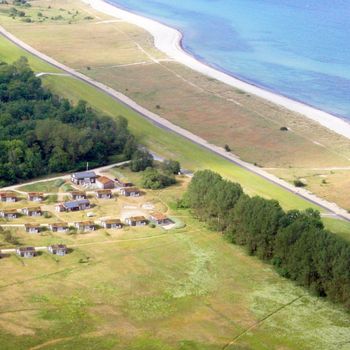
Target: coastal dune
(168, 40)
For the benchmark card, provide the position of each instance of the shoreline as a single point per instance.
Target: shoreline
(169, 41)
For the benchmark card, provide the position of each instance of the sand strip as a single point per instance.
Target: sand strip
(168, 40)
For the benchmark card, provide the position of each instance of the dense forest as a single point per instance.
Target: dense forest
(41, 133)
(295, 242)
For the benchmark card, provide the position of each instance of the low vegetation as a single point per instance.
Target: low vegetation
(41, 133)
(295, 242)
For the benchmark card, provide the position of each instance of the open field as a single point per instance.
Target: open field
(147, 289)
(144, 288)
(49, 186)
(123, 57)
(329, 183)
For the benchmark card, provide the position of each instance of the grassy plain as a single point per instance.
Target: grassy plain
(150, 289)
(123, 57)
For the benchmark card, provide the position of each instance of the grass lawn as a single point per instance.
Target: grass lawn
(145, 288)
(50, 186)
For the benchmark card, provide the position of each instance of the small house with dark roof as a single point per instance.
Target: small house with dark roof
(136, 221)
(111, 223)
(32, 211)
(104, 182)
(9, 214)
(8, 197)
(84, 178)
(85, 226)
(130, 192)
(78, 195)
(77, 205)
(35, 196)
(32, 228)
(59, 227)
(159, 218)
(121, 183)
(26, 252)
(58, 249)
(104, 194)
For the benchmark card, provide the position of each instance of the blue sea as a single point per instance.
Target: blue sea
(298, 48)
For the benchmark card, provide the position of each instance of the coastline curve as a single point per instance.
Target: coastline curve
(169, 41)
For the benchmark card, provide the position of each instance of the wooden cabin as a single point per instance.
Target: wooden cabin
(35, 196)
(26, 252)
(8, 197)
(32, 211)
(9, 214)
(85, 226)
(58, 249)
(59, 227)
(78, 195)
(32, 228)
(104, 194)
(136, 221)
(159, 218)
(111, 223)
(130, 192)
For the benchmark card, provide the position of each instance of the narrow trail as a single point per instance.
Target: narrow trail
(259, 322)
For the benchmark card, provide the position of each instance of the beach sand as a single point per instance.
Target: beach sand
(168, 40)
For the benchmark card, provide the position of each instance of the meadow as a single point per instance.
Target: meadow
(145, 288)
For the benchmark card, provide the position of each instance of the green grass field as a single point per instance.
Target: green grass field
(145, 289)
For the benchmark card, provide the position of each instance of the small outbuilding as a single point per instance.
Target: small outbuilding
(78, 195)
(104, 194)
(85, 226)
(35, 196)
(130, 192)
(26, 252)
(9, 214)
(121, 183)
(58, 249)
(32, 228)
(136, 221)
(84, 178)
(8, 197)
(111, 223)
(104, 182)
(59, 227)
(159, 218)
(32, 211)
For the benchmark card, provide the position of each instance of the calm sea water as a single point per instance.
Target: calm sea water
(298, 48)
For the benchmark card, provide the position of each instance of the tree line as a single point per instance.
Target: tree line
(294, 242)
(41, 133)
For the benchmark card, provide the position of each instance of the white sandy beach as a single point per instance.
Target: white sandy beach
(168, 40)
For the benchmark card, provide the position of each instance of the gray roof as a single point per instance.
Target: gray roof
(84, 175)
(74, 204)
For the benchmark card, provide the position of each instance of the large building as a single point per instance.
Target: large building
(77, 205)
(84, 178)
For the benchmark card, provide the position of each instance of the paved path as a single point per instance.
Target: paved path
(165, 124)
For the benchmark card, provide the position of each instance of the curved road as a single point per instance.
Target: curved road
(165, 124)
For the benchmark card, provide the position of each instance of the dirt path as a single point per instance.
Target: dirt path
(165, 124)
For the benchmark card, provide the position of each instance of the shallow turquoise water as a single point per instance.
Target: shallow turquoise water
(298, 48)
